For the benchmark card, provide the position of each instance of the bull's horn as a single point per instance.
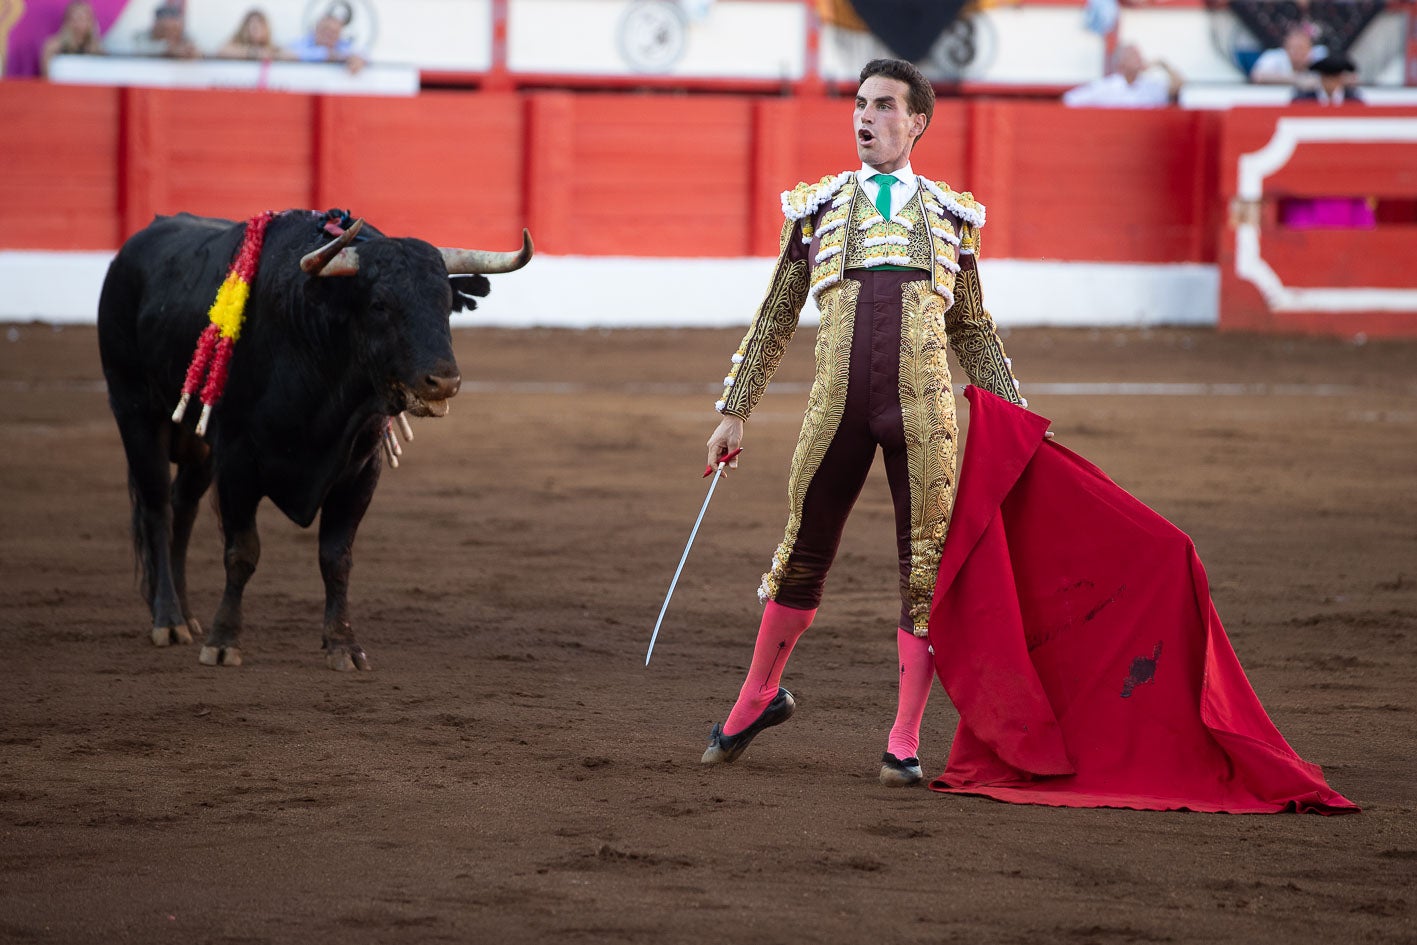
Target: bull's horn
(334, 258)
(464, 262)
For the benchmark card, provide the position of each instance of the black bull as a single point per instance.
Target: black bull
(337, 339)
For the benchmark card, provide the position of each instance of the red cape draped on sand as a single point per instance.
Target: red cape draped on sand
(1074, 631)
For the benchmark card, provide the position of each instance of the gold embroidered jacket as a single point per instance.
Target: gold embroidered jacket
(831, 227)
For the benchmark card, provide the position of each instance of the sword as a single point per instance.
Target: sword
(708, 471)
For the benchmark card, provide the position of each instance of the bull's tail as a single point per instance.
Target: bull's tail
(144, 568)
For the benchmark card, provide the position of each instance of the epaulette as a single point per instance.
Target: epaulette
(804, 199)
(961, 203)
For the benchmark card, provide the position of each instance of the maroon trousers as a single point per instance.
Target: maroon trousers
(872, 419)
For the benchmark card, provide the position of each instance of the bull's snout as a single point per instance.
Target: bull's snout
(440, 384)
(429, 395)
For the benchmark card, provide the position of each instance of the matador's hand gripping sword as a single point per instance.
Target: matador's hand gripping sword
(710, 471)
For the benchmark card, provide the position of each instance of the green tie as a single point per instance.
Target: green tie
(883, 196)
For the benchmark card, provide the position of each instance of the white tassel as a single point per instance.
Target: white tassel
(816, 196)
(202, 420)
(974, 215)
(825, 284)
(945, 235)
(405, 428)
(896, 260)
(181, 410)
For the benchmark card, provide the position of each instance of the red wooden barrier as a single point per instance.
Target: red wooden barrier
(59, 186)
(630, 175)
(215, 153)
(445, 167)
(603, 173)
(1093, 184)
(1327, 280)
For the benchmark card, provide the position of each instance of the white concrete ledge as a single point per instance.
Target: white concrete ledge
(617, 292)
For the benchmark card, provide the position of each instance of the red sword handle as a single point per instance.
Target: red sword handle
(725, 458)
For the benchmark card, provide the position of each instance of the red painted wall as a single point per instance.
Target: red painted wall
(604, 173)
(59, 167)
(590, 173)
(1378, 258)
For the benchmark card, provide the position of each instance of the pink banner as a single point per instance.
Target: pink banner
(39, 20)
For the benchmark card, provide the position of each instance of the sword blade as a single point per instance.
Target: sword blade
(682, 558)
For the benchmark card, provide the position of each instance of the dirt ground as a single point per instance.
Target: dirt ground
(510, 772)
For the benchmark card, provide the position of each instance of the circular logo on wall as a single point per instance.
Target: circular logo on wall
(652, 35)
(360, 22)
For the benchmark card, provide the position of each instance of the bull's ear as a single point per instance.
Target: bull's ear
(467, 290)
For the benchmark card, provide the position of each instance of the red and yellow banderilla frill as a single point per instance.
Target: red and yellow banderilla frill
(227, 314)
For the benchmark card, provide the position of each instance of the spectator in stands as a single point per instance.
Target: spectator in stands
(327, 43)
(1290, 64)
(253, 40)
(1131, 84)
(78, 36)
(167, 39)
(1338, 83)
(1338, 79)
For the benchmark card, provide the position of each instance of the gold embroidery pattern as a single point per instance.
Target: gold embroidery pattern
(893, 243)
(765, 343)
(826, 268)
(928, 414)
(825, 406)
(804, 199)
(974, 339)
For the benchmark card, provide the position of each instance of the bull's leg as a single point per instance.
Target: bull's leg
(340, 516)
(145, 443)
(243, 552)
(190, 485)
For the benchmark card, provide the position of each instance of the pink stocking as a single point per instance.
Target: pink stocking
(917, 673)
(777, 635)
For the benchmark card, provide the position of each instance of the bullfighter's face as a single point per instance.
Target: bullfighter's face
(885, 127)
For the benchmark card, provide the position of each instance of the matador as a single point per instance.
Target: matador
(890, 260)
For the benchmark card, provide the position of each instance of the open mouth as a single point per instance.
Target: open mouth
(864, 136)
(411, 403)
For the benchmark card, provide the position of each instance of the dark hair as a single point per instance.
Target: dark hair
(920, 99)
(1334, 65)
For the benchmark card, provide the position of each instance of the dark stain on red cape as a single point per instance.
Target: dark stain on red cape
(1074, 631)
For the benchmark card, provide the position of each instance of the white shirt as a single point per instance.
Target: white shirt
(1114, 91)
(902, 190)
(1274, 64)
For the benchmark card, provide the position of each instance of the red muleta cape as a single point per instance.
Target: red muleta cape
(1074, 631)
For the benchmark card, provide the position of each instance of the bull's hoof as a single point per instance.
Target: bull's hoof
(166, 636)
(347, 659)
(220, 656)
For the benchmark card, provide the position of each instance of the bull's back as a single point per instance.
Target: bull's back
(155, 299)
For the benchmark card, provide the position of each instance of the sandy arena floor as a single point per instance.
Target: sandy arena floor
(511, 772)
